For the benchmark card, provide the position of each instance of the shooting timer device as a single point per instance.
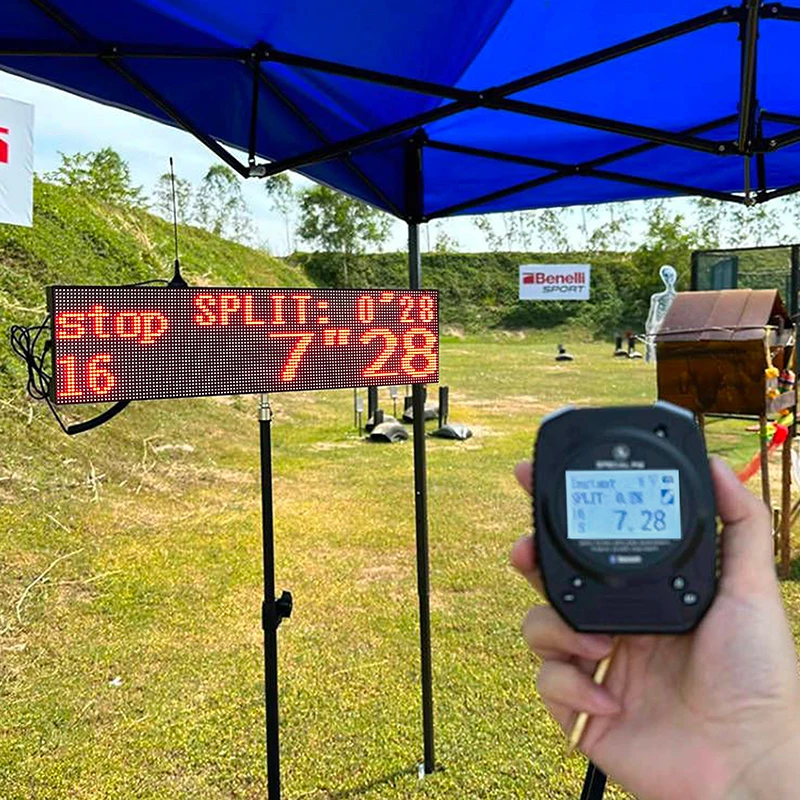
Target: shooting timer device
(147, 342)
(624, 518)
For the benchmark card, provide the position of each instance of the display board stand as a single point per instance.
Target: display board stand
(273, 610)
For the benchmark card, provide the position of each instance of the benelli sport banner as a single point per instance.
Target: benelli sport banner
(554, 281)
(16, 162)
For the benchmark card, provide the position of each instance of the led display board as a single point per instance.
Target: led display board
(153, 342)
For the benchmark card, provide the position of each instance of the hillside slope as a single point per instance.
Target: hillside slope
(75, 240)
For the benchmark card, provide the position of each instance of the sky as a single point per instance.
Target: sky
(68, 123)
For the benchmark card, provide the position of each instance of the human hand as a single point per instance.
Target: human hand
(712, 714)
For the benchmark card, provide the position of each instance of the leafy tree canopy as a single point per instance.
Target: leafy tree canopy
(337, 223)
(220, 206)
(101, 174)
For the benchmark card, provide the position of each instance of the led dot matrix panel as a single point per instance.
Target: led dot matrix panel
(151, 342)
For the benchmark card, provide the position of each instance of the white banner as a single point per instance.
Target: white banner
(554, 281)
(16, 162)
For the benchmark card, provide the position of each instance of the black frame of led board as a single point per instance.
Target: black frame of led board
(792, 301)
(115, 343)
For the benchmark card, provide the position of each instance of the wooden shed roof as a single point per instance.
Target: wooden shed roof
(727, 315)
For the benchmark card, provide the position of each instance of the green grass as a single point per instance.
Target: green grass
(160, 584)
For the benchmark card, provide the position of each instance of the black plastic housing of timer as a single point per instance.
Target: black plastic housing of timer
(672, 591)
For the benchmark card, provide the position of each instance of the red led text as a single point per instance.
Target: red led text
(99, 380)
(222, 309)
(143, 326)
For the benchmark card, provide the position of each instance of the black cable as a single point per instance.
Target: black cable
(24, 344)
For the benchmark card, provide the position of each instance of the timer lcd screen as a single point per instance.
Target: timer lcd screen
(145, 342)
(623, 504)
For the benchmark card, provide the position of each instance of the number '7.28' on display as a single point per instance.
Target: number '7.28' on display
(146, 342)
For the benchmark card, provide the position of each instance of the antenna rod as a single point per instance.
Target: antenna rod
(177, 278)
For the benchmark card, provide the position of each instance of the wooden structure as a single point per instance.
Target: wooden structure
(714, 350)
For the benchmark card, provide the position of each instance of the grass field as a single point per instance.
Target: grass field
(130, 591)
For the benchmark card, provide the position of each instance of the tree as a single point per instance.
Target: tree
(444, 242)
(517, 230)
(711, 220)
(162, 198)
(551, 230)
(284, 202)
(494, 241)
(101, 174)
(754, 226)
(613, 233)
(220, 206)
(337, 223)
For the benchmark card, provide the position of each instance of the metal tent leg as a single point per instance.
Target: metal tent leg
(421, 517)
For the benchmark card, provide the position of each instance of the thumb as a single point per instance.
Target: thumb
(748, 564)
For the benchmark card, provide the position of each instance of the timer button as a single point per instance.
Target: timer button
(577, 582)
(690, 598)
(678, 583)
(568, 597)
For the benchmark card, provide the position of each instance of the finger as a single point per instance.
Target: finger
(523, 559)
(565, 717)
(564, 683)
(551, 638)
(523, 472)
(748, 563)
(561, 713)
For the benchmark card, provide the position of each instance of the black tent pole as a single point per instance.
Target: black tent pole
(272, 610)
(414, 198)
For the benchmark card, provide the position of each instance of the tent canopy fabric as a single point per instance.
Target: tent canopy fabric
(504, 104)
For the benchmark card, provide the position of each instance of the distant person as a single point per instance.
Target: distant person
(714, 714)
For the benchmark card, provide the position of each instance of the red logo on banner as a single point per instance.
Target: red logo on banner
(542, 277)
(3, 146)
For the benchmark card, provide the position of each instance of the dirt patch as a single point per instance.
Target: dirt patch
(456, 331)
(381, 573)
(325, 446)
(508, 404)
(483, 431)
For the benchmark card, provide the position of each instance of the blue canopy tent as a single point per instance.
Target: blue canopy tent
(431, 109)
(512, 103)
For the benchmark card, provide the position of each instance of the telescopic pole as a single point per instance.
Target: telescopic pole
(272, 610)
